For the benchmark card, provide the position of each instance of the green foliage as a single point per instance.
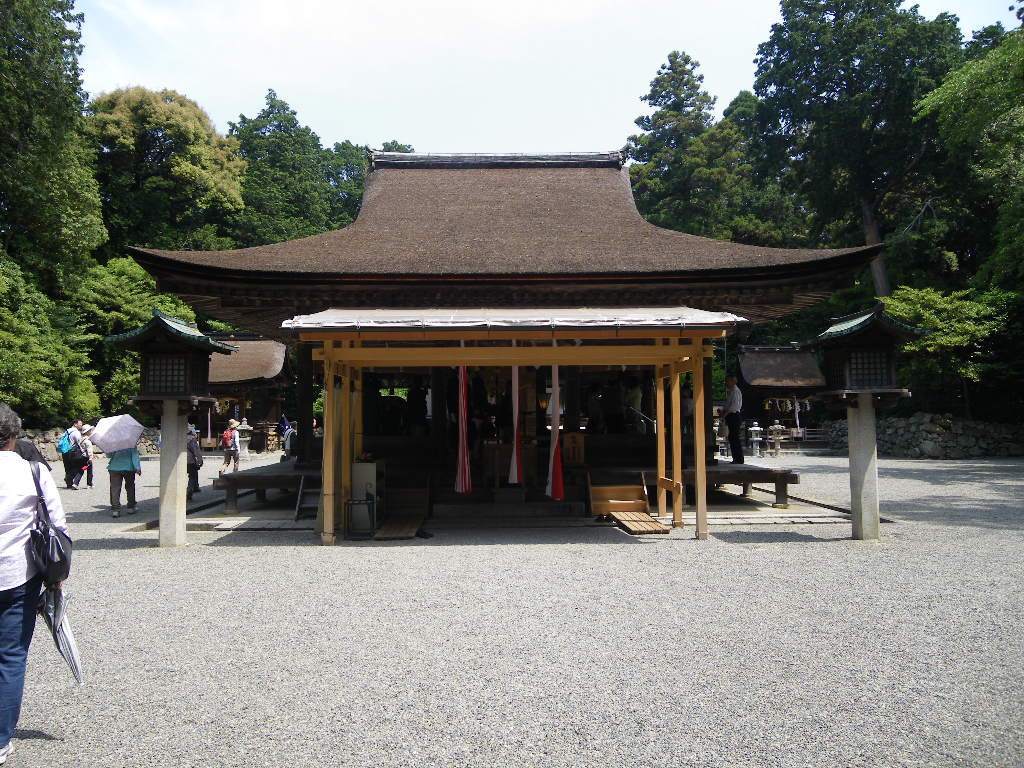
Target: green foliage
(697, 176)
(962, 346)
(838, 81)
(113, 298)
(49, 203)
(169, 180)
(980, 113)
(287, 190)
(44, 363)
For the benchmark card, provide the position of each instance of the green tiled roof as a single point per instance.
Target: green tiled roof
(850, 324)
(187, 332)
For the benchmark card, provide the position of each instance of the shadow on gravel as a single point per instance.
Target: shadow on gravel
(112, 544)
(463, 537)
(767, 537)
(35, 735)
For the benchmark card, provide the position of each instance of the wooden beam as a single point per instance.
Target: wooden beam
(699, 452)
(668, 484)
(507, 356)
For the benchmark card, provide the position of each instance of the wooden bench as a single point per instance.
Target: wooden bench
(259, 479)
(748, 474)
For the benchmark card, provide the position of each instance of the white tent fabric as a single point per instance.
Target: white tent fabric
(506, 318)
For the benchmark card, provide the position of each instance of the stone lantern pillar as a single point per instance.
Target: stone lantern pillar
(860, 374)
(175, 363)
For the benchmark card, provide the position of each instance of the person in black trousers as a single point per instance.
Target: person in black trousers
(731, 413)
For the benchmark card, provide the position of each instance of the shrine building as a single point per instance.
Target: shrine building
(519, 299)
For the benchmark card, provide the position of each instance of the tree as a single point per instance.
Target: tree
(116, 297)
(682, 113)
(980, 113)
(169, 180)
(958, 348)
(49, 201)
(286, 187)
(45, 371)
(839, 80)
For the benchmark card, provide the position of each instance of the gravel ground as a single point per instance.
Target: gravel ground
(764, 646)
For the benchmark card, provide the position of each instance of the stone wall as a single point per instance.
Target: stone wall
(46, 440)
(936, 436)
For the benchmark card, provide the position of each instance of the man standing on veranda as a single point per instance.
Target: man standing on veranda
(731, 413)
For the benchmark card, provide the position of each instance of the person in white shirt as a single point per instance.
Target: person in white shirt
(20, 583)
(731, 413)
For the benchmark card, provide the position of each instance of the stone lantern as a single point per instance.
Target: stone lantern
(860, 373)
(175, 366)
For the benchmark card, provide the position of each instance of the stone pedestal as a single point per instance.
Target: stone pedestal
(863, 467)
(173, 478)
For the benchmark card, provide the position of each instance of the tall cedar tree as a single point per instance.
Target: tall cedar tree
(839, 80)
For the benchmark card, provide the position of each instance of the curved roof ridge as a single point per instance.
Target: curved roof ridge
(424, 160)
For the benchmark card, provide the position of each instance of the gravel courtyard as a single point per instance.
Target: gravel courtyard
(764, 646)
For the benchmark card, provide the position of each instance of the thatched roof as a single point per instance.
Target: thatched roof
(780, 368)
(529, 220)
(499, 230)
(257, 362)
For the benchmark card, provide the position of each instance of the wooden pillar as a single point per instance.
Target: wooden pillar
(701, 405)
(328, 492)
(679, 489)
(345, 438)
(659, 410)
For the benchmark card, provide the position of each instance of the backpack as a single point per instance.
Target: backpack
(225, 439)
(64, 445)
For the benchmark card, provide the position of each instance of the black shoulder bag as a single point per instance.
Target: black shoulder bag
(50, 546)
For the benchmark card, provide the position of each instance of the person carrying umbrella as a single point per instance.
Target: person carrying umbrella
(19, 581)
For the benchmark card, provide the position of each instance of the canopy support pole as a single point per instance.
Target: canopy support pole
(679, 490)
(329, 485)
(659, 409)
(700, 474)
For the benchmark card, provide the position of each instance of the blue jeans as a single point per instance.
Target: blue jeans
(17, 622)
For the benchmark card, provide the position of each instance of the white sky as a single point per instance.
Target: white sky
(445, 76)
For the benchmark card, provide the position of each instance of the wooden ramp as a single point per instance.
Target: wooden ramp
(407, 509)
(627, 505)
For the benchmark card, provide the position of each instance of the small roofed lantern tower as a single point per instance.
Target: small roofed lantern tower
(860, 373)
(175, 363)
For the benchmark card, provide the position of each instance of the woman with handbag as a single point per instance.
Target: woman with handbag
(20, 579)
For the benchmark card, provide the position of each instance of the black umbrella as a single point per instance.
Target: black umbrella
(53, 608)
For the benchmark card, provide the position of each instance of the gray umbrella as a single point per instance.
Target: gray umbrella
(53, 608)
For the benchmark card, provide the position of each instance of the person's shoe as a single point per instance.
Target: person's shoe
(74, 487)
(6, 752)
(115, 513)
(131, 509)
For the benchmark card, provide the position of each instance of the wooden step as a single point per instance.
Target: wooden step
(399, 526)
(616, 492)
(619, 505)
